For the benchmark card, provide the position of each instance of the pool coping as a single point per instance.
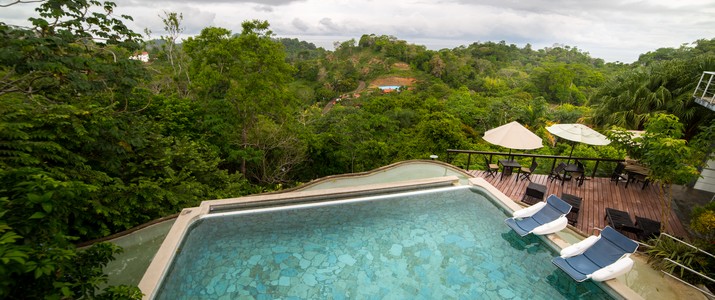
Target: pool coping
(162, 260)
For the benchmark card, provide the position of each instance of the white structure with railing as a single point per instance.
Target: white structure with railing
(704, 95)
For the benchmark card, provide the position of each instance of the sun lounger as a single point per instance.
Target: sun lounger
(599, 258)
(648, 228)
(621, 221)
(541, 218)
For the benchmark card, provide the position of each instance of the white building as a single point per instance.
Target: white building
(144, 56)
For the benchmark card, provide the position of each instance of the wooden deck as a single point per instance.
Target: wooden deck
(598, 193)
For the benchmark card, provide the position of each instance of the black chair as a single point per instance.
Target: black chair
(617, 174)
(649, 228)
(575, 202)
(534, 193)
(491, 168)
(556, 172)
(525, 173)
(621, 221)
(579, 176)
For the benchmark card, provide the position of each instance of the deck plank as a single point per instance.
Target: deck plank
(598, 193)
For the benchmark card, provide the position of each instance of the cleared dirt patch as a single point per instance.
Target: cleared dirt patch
(401, 66)
(394, 80)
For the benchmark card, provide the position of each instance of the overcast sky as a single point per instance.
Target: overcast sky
(614, 30)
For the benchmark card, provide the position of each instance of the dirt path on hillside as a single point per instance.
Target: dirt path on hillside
(361, 86)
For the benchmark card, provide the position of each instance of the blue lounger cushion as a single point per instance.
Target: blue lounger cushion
(542, 218)
(606, 257)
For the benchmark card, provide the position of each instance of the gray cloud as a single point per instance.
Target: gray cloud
(300, 24)
(260, 2)
(263, 8)
(588, 7)
(328, 24)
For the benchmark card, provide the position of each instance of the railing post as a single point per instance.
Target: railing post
(698, 87)
(553, 165)
(469, 160)
(595, 168)
(707, 86)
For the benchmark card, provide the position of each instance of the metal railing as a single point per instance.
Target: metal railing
(704, 291)
(704, 93)
(491, 154)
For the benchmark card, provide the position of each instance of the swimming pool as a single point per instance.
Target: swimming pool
(439, 243)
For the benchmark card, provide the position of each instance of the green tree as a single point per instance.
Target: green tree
(664, 151)
(67, 72)
(437, 132)
(629, 99)
(242, 79)
(556, 82)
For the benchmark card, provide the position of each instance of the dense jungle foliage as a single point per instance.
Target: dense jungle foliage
(93, 143)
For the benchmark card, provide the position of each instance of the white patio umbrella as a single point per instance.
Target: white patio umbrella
(578, 133)
(513, 136)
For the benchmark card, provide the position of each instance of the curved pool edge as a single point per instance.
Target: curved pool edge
(170, 246)
(359, 175)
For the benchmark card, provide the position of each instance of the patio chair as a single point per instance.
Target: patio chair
(649, 228)
(534, 193)
(540, 218)
(599, 258)
(556, 172)
(621, 221)
(617, 174)
(525, 173)
(575, 202)
(579, 176)
(491, 168)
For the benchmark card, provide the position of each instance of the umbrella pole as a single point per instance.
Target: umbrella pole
(569, 160)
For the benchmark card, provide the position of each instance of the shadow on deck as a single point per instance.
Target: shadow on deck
(598, 193)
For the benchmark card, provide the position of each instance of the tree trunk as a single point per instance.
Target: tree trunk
(664, 193)
(244, 140)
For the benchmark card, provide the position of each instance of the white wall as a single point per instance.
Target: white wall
(707, 181)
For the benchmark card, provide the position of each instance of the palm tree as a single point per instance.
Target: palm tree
(631, 98)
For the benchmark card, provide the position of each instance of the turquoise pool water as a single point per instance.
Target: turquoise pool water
(445, 243)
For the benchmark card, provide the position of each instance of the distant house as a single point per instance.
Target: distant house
(144, 56)
(389, 88)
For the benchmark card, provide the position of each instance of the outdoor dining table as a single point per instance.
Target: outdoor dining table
(508, 166)
(637, 171)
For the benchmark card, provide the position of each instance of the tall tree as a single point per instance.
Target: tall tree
(173, 54)
(242, 78)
